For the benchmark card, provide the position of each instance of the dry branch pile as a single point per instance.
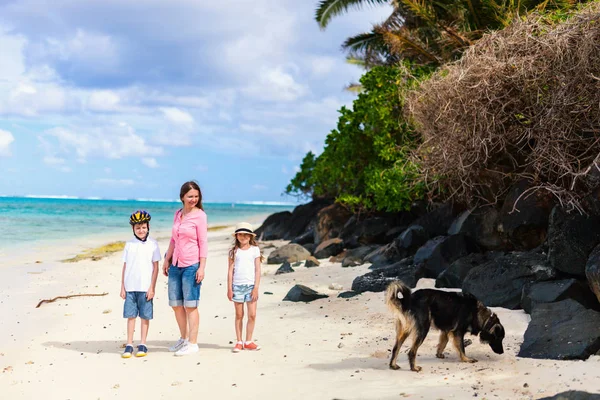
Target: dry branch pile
(522, 103)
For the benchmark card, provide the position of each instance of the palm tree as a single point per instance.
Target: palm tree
(427, 31)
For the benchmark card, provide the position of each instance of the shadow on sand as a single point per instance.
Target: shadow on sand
(116, 346)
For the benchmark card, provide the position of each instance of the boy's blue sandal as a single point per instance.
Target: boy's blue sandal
(142, 351)
(128, 352)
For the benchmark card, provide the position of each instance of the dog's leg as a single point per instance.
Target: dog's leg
(459, 344)
(401, 335)
(412, 354)
(442, 344)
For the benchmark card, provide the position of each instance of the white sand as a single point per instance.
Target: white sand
(328, 349)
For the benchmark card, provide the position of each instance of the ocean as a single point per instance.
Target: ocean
(27, 221)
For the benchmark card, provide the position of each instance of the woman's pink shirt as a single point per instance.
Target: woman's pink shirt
(189, 238)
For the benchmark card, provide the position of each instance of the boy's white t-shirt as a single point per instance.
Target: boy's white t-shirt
(243, 267)
(138, 257)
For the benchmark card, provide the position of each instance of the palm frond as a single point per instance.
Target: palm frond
(327, 9)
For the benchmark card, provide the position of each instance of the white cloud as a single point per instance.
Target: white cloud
(321, 66)
(275, 84)
(103, 100)
(150, 162)
(115, 182)
(259, 187)
(202, 168)
(6, 138)
(51, 160)
(113, 142)
(178, 116)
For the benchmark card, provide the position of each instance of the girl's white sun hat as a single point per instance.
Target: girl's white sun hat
(243, 227)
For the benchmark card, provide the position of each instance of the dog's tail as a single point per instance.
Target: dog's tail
(392, 300)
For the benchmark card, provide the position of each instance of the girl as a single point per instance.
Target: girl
(243, 279)
(184, 264)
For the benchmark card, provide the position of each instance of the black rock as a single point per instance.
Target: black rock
(437, 254)
(328, 248)
(305, 238)
(571, 239)
(356, 257)
(523, 218)
(310, 247)
(573, 395)
(348, 294)
(304, 216)
(303, 293)
(480, 225)
(311, 262)
(285, 268)
(592, 271)
(499, 282)
(275, 226)
(377, 281)
(385, 255)
(561, 331)
(411, 239)
(456, 273)
(553, 291)
(438, 221)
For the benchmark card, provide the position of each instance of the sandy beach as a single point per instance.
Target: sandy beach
(331, 348)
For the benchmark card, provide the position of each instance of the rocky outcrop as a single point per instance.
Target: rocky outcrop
(571, 239)
(437, 254)
(329, 222)
(573, 395)
(377, 281)
(289, 252)
(328, 248)
(553, 291)
(456, 273)
(481, 226)
(275, 226)
(356, 257)
(562, 331)
(500, 282)
(523, 218)
(592, 271)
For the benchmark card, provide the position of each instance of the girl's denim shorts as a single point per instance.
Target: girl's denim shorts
(242, 293)
(183, 288)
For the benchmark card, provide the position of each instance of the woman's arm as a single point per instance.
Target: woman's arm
(202, 235)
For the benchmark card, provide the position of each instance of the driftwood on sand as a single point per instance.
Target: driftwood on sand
(68, 297)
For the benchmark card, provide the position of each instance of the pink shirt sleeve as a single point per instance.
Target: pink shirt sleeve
(202, 234)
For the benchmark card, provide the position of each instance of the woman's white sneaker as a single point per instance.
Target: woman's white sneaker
(189, 348)
(177, 346)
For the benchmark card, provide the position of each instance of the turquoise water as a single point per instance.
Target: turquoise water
(25, 221)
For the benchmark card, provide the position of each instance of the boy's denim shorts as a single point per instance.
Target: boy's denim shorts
(136, 304)
(242, 293)
(183, 288)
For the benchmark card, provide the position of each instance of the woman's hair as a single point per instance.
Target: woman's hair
(186, 187)
(236, 245)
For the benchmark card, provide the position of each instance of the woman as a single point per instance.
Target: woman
(184, 265)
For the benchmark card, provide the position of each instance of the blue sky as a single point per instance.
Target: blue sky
(131, 98)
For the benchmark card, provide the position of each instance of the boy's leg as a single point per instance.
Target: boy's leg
(251, 320)
(239, 320)
(145, 324)
(130, 330)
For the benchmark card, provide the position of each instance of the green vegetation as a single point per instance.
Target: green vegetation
(365, 163)
(374, 159)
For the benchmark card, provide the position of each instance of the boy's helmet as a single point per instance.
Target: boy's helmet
(139, 217)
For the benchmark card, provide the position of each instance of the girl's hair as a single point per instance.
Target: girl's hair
(236, 245)
(186, 187)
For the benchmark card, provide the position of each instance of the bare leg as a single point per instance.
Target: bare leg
(193, 318)
(460, 347)
(181, 317)
(130, 330)
(401, 336)
(251, 320)
(145, 324)
(442, 345)
(239, 320)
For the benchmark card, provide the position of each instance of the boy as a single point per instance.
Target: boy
(138, 281)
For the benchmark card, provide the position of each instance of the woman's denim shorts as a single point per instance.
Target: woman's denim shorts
(183, 288)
